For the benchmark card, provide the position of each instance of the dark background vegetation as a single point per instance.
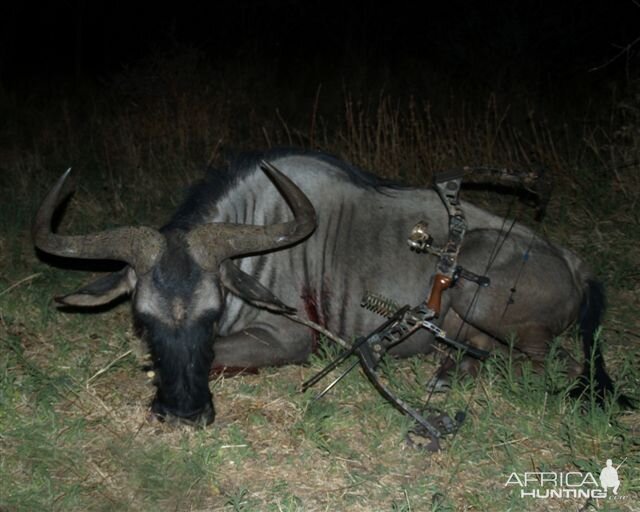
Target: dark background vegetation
(267, 67)
(545, 48)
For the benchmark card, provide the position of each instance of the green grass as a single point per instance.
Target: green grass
(74, 433)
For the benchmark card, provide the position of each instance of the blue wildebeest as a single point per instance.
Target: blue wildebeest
(206, 288)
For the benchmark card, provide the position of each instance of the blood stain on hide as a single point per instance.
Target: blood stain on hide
(316, 310)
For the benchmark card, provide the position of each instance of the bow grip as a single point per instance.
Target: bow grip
(440, 283)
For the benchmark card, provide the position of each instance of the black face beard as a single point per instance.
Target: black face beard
(182, 358)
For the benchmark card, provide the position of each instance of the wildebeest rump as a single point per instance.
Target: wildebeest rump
(208, 286)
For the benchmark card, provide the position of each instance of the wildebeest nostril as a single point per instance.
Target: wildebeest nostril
(199, 418)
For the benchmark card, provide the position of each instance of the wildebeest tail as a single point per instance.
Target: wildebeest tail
(594, 374)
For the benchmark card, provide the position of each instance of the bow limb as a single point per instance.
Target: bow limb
(369, 366)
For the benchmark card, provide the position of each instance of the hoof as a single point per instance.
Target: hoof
(438, 385)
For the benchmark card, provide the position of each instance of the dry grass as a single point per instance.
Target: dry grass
(74, 433)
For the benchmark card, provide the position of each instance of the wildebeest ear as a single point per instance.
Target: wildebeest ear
(102, 290)
(249, 288)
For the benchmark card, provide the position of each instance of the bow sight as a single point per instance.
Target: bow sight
(403, 321)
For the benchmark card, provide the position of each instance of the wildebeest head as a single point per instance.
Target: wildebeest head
(178, 280)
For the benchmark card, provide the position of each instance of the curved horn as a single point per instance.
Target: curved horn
(213, 243)
(137, 246)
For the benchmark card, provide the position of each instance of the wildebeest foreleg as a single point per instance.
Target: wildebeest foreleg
(256, 347)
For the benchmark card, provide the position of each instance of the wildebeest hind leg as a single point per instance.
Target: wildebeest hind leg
(534, 340)
(450, 366)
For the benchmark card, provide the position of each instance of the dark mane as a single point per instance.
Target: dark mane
(217, 182)
(357, 176)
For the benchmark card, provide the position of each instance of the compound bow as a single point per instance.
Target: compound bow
(404, 321)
